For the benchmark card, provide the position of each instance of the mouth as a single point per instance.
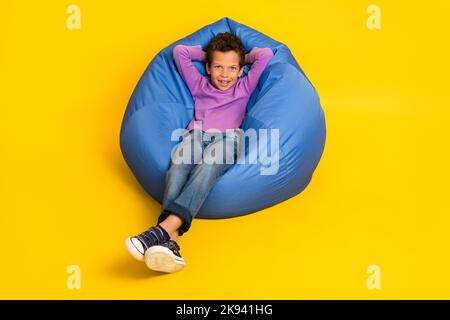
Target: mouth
(224, 83)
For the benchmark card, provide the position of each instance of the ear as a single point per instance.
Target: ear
(208, 71)
(241, 71)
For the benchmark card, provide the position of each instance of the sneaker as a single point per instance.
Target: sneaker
(165, 257)
(138, 245)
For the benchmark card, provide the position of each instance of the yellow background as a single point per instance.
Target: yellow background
(379, 195)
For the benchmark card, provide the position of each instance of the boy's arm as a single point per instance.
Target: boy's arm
(259, 57)
(183, 56)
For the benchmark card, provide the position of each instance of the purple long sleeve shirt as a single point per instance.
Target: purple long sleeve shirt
(214, 108)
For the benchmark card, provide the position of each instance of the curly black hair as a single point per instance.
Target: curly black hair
(224, 42)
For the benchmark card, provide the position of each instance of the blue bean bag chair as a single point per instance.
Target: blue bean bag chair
(284, 99)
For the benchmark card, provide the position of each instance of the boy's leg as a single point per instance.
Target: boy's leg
(181, 164)
(166, 256)
(218, 156)
(175, 179)
(177, 175)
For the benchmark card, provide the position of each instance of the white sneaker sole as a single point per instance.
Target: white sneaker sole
(162, 259)
(133, 250)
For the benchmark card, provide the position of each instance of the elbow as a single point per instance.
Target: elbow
(268, 53)
(264, 54)
(178, 50)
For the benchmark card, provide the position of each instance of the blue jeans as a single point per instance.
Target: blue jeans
(197, 162)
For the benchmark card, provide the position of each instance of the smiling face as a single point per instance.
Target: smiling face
(224, 69)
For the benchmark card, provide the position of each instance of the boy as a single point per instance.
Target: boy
(220, 105)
